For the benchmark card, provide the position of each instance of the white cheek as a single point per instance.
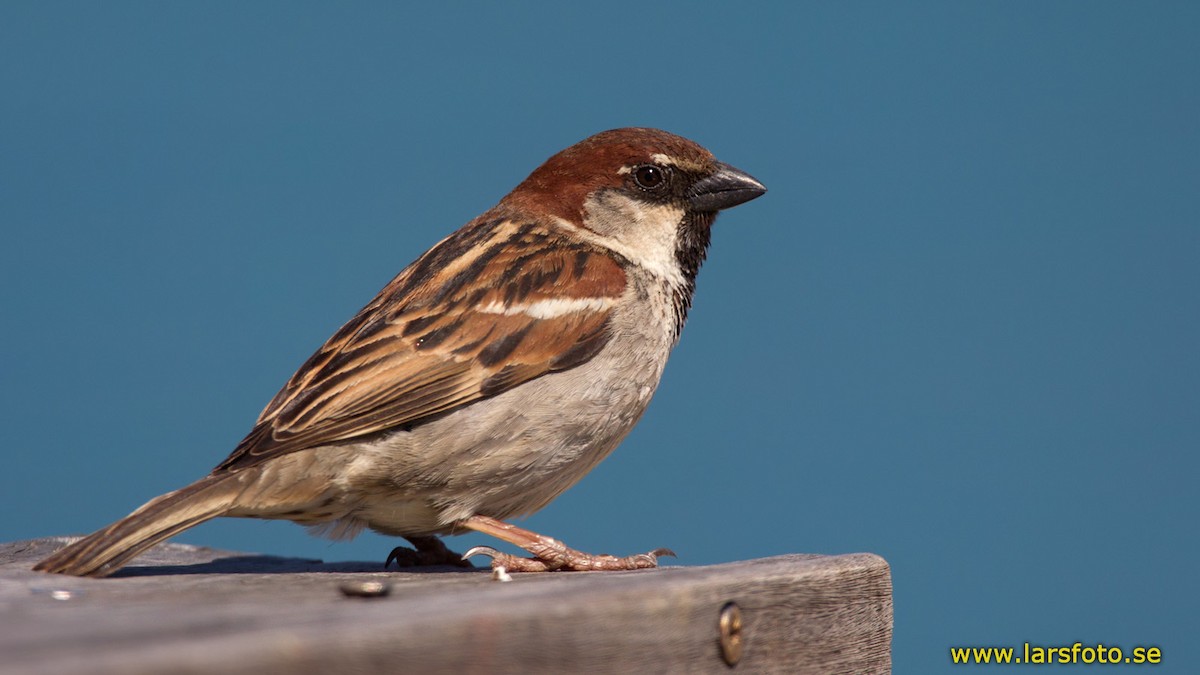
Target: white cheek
(643, 233)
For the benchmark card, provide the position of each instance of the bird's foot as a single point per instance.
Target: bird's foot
(569, 559)
(428, 551)
(550, 554)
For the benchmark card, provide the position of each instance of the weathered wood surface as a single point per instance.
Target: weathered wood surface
(185, 609)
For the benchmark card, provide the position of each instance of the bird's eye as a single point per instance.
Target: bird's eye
(650, 176)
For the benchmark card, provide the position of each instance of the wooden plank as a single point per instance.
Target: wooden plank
(187, 609)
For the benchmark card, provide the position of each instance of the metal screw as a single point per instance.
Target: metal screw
(57, 593)
(365, 589)
(730, 627)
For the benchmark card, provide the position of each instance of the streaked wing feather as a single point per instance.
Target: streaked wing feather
(480, 313)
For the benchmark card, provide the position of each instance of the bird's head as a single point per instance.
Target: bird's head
(651, 195)
(647, 169)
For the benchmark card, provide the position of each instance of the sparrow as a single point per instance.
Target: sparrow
(486, 378)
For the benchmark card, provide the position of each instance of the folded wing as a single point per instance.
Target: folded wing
(491, 307)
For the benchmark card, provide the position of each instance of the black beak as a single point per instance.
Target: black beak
(725, 188)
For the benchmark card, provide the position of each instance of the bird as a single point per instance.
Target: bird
(486, 378)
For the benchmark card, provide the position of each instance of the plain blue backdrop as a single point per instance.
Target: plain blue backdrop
(961, 331)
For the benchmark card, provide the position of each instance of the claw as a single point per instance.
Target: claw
(429, 551)
(396, 554)
(481, 550)
(663, 552)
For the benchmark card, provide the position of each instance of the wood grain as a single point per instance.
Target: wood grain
(186, 609)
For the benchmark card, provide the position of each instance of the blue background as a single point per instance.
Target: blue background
(960, 331)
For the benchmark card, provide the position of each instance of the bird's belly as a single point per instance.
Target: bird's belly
(509, 455)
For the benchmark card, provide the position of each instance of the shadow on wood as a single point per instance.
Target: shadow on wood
(189, 609)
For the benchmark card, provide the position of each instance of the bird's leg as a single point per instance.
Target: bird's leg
(549, 554)
(429, 551)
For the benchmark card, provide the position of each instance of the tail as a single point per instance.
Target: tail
(104, 552)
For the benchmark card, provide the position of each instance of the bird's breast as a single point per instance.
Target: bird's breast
(511, 454)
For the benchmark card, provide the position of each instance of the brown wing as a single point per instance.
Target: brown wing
(494, 305)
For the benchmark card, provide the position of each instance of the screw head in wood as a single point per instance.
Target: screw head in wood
(365, 589)
(730, 629)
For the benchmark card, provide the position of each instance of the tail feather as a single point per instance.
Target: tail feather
(104, 552)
